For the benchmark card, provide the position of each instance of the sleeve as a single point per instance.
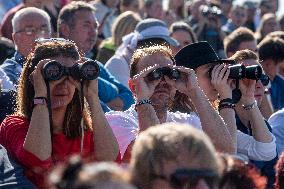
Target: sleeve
(276, 121)
(123, 92)
(10, 70)
(13, 132)
(119, 69)
(6, 83)
(124, 128)
(107, 90)
(255, 150)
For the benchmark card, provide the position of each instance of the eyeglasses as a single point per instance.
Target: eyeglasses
(32, 30)
(189, 178)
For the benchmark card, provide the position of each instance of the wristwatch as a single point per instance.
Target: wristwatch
(40, 101)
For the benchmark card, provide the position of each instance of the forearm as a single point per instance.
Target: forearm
(266, 108)
(259, 129)
(38, 138)
(212, 123)
(147, 116)
(228, 115)
(105, 143)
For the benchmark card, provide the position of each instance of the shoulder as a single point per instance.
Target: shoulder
(277, 117)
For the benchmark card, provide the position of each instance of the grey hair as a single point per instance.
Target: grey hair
(29, 11)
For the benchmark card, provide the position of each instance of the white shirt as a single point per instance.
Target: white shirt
(276, 121)
(125, 125)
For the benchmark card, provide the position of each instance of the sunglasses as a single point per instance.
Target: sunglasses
(188, 178)
(158, 73)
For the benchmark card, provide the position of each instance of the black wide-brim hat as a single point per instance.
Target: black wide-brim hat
(197, 54)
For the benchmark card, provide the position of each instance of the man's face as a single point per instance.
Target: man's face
(30, 28)
(164, 91)
(156, 10)
(85, 30)
(204, 81)
(281, 69)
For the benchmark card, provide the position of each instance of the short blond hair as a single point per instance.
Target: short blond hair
(168, 142)
(148, 51)
(242, 55)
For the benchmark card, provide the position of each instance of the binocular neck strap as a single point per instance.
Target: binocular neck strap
(49, 111)
(82, 110)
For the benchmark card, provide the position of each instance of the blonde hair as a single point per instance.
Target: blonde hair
(148, 51)
(124, 24)
(168, 142)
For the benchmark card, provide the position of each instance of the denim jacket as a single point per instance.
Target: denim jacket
(13, 67)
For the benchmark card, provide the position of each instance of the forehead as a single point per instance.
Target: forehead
(151, 60)
(65, 61)
(85, 15)
(250, 62)
(251, 45)
(32, 20)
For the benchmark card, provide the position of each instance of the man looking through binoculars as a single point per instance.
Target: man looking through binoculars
(154, 82)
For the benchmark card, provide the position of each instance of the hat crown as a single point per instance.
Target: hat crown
(196, 54)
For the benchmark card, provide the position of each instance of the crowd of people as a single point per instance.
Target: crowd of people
(129, 94)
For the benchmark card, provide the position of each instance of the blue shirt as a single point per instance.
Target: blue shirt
(13, 67)
(110, 88)
(277, 92)
(11, 174)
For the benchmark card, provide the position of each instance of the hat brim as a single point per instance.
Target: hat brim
(168, 39)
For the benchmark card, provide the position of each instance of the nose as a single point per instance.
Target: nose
(259, 84)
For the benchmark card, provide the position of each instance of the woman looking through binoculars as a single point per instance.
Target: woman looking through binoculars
(51, 122)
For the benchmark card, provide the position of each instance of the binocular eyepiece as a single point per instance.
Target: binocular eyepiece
(240, 71)
(158, 73)
(88, 70)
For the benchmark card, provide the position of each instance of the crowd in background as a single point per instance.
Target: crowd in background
(125, 94)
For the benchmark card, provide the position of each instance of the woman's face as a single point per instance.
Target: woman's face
(269, 26)
(259, 88)
(183, 37)
(62, 90)
(204, 81)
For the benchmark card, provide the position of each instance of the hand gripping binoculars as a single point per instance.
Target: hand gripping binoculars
(88, 70)
(240, 71)
(158, 73)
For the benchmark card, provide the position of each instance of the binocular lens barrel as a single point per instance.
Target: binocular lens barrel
(88, 70)
(239, 71)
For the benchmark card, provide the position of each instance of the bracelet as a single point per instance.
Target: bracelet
(250, 106)
(226, 105)
(226, 100)
(40, 100)
(143, 101)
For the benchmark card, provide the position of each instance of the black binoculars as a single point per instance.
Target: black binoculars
(88, 70)
(158, 73)
(240, 71)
